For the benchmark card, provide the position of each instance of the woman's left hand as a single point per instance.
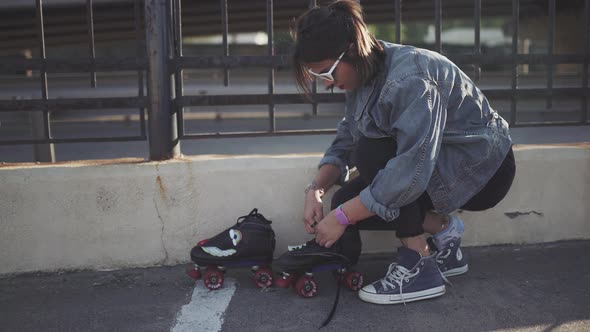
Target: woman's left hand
(328, 230)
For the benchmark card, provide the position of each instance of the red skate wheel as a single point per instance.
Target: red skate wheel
(263, 278)
(194, 273)
(285, 280)
(353, 280)
(306, 286)
(202, 242)
(213, 279)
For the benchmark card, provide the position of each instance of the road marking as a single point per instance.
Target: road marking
(206, 309)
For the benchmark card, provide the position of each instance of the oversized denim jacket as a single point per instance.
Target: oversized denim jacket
(450, 141)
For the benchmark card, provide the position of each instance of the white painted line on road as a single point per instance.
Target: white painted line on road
(206, 309)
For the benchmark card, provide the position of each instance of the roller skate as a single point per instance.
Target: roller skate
(250, 242)
(300, 263)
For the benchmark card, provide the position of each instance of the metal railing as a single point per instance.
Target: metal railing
(42, 108)
(227, 62)
(476, 59)
(164, 61)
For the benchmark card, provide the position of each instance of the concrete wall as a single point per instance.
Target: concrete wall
(105, 215)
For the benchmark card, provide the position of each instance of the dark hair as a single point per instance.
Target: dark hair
(324, 33)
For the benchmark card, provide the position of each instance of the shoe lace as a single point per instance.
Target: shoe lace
(442, 255)
(396, 276)
(309, 244)
(253, 213)
(312, 245)
(440, 259)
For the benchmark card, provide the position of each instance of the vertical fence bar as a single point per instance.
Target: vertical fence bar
(584, 116)
(178, 74)
(515, 22)
(314, 84)
(225, 43)
(477, 50)
(90, 19)
(398, 21)
(140, 55)
(162, 125)
(40, 121)
(437, 23)
(550, 53)
(271, 53)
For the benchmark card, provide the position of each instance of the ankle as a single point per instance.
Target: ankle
(435, 223)
(417, 243)
(445, 223)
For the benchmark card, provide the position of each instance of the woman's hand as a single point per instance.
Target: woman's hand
(314, 210)
(328, 231)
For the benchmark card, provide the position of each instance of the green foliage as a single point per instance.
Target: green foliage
(414, 32)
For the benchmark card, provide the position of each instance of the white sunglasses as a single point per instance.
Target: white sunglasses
(327, 76)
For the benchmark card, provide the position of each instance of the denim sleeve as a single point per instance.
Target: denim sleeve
(417, 117)
(338, 153)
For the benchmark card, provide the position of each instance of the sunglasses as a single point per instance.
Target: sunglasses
(327, 76)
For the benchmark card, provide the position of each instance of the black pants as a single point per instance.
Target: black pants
(371, 155)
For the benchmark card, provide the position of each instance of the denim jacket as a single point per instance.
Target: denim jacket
(450, 141)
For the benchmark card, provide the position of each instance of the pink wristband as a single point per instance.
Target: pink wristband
(341, 217)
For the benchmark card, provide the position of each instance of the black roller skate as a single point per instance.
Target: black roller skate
(300, 262)
(250, 242)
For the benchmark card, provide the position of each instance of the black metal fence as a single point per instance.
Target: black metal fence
(41, 108)
(160, 64)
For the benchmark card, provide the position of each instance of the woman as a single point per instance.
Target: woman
(424, 139)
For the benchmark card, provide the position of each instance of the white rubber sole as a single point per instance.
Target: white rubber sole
(396, 298)
(456, 271)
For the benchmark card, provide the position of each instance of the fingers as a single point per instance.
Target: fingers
(319, 212)
(309, 229)
(323, 242)
(310, 224)
(321, 238)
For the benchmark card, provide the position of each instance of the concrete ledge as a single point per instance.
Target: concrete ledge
(111, 216)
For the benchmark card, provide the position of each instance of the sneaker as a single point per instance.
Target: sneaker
(447, 245)
(412, 278)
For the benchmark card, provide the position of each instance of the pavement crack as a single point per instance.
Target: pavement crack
(516, 214)
(161, 231)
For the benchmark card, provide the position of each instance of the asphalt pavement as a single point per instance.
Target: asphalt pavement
(542, 287)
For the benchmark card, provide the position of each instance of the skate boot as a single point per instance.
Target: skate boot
(412, 278)
(447, 245)
(250, 242)
(300, 262)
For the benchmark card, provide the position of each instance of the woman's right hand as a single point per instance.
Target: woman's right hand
(314, 210)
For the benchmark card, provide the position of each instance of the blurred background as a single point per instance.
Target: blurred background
(106, 43)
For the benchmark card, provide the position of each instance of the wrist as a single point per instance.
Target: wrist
(341, 216)
(315, 188)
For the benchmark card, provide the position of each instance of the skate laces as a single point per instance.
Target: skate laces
(300, 247)
(335, 304)
(311, 246)
(253, 213)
